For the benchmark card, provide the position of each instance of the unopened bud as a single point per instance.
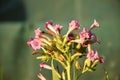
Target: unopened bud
(61, 58)
(101, 60)
(44, 58)
(78, 66)
(34, 52)
(78, 46)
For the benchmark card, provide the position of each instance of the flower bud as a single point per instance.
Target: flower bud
(101, 60)
(43, 65)
(61, 58)
(78, 66)
(34, 52)
(78, 46)
(44, 58)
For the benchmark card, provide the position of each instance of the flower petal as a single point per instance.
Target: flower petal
(34, 43)
(95, 24)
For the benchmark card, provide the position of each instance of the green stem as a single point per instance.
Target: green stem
(68, 71)
(74, 71)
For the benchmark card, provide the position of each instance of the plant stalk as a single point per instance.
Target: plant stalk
(68, 69)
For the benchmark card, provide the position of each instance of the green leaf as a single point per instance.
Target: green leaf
(55, 74)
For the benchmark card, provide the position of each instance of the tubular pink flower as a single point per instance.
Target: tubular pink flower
(40, 76)
(49, 22)
(34, 43)
(95, 24)
(50, 28)
(74, 25)
(85, 34)
(37, 33)
(92, 55)
(43, 65)
(58, 28)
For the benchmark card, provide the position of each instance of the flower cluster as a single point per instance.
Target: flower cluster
(68, 49)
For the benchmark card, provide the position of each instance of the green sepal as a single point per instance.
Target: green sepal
(94, 63)
(44, 58)
(77, 65)
(89, 65)
(78, 46)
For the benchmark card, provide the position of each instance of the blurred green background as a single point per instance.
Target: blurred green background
(19, 18)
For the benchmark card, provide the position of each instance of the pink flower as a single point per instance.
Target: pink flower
(34, 43)
(85, 34)
(49, 22)
(50, 28)
(43, 65)
(82, 40)
(40, 76)
(74, 25)
(95, 24)
(58, 28)
(37, 33)
(92, 55)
